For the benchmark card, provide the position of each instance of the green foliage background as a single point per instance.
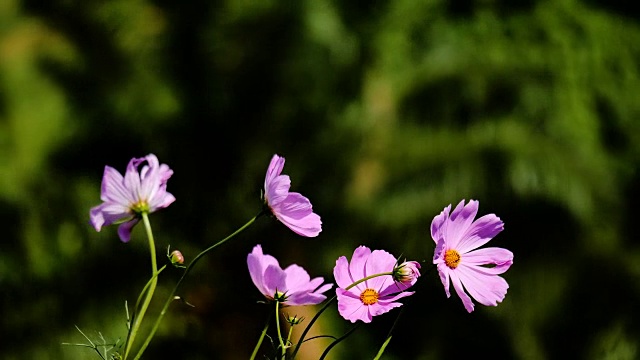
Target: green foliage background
(386, 112)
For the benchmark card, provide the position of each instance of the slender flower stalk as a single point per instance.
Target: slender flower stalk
(382, 348)
(293, 321)
(338, 340)
(262, 335)
(145, 288)
(138, 317)
(184, 275)
(283, 348)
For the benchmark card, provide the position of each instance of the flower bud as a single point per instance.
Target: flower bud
(407, 272)
(176, 257)
(294, 320)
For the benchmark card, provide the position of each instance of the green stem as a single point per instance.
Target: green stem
(337, 341)
(151, 290)
(284, 349)
(306, 329)
(290, 333)
(326, 305)
(264, 332)
(384, 346)
(367, 278)
(184, 275)
(146, 286)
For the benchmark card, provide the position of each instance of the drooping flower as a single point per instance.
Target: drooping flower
(126, 198)
(291, 286)
(371, 297)
(292, 209)
(457, 236)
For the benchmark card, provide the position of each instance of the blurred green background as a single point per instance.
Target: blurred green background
(386, 112)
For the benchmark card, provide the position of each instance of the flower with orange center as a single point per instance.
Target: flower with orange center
(459, 261)
(372, 297)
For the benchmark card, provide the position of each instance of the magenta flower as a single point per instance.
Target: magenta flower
(126, 198)
(457, 237)
(291, 286)
(292, 209)
(374, 296)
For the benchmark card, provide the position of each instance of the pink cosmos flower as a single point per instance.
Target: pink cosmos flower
(126, 198)
(291, 286)
(292, 209)
(374, 296)
(457, 237)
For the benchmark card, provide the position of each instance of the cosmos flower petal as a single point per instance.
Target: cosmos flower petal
(296, 213)
(106, 214)
(443, 271)
(305, 298)
(379, 261)
(124, 230)
(459, 221)
(132, 178)
(258, 263)
(480, 232)
(501, 258)
(488, 290)
(275, 280)
(315, 282)
(438, 224)
(161, 200)
(278, 190)
(381, 308)
(324, 288)
(457, 286)
(391, 297)
(297, 277)
(341, 272)
(113, 189)
(359, 263)
(274, 170)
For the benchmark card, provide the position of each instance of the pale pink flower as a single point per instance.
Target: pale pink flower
(292, 209)
(126, 198)
(457, 236)
(291, 286)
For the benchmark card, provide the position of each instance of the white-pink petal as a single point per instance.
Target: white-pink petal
(459, 221)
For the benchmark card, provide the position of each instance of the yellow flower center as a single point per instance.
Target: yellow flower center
(140, 207)
(369, 297)
(452, 259)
